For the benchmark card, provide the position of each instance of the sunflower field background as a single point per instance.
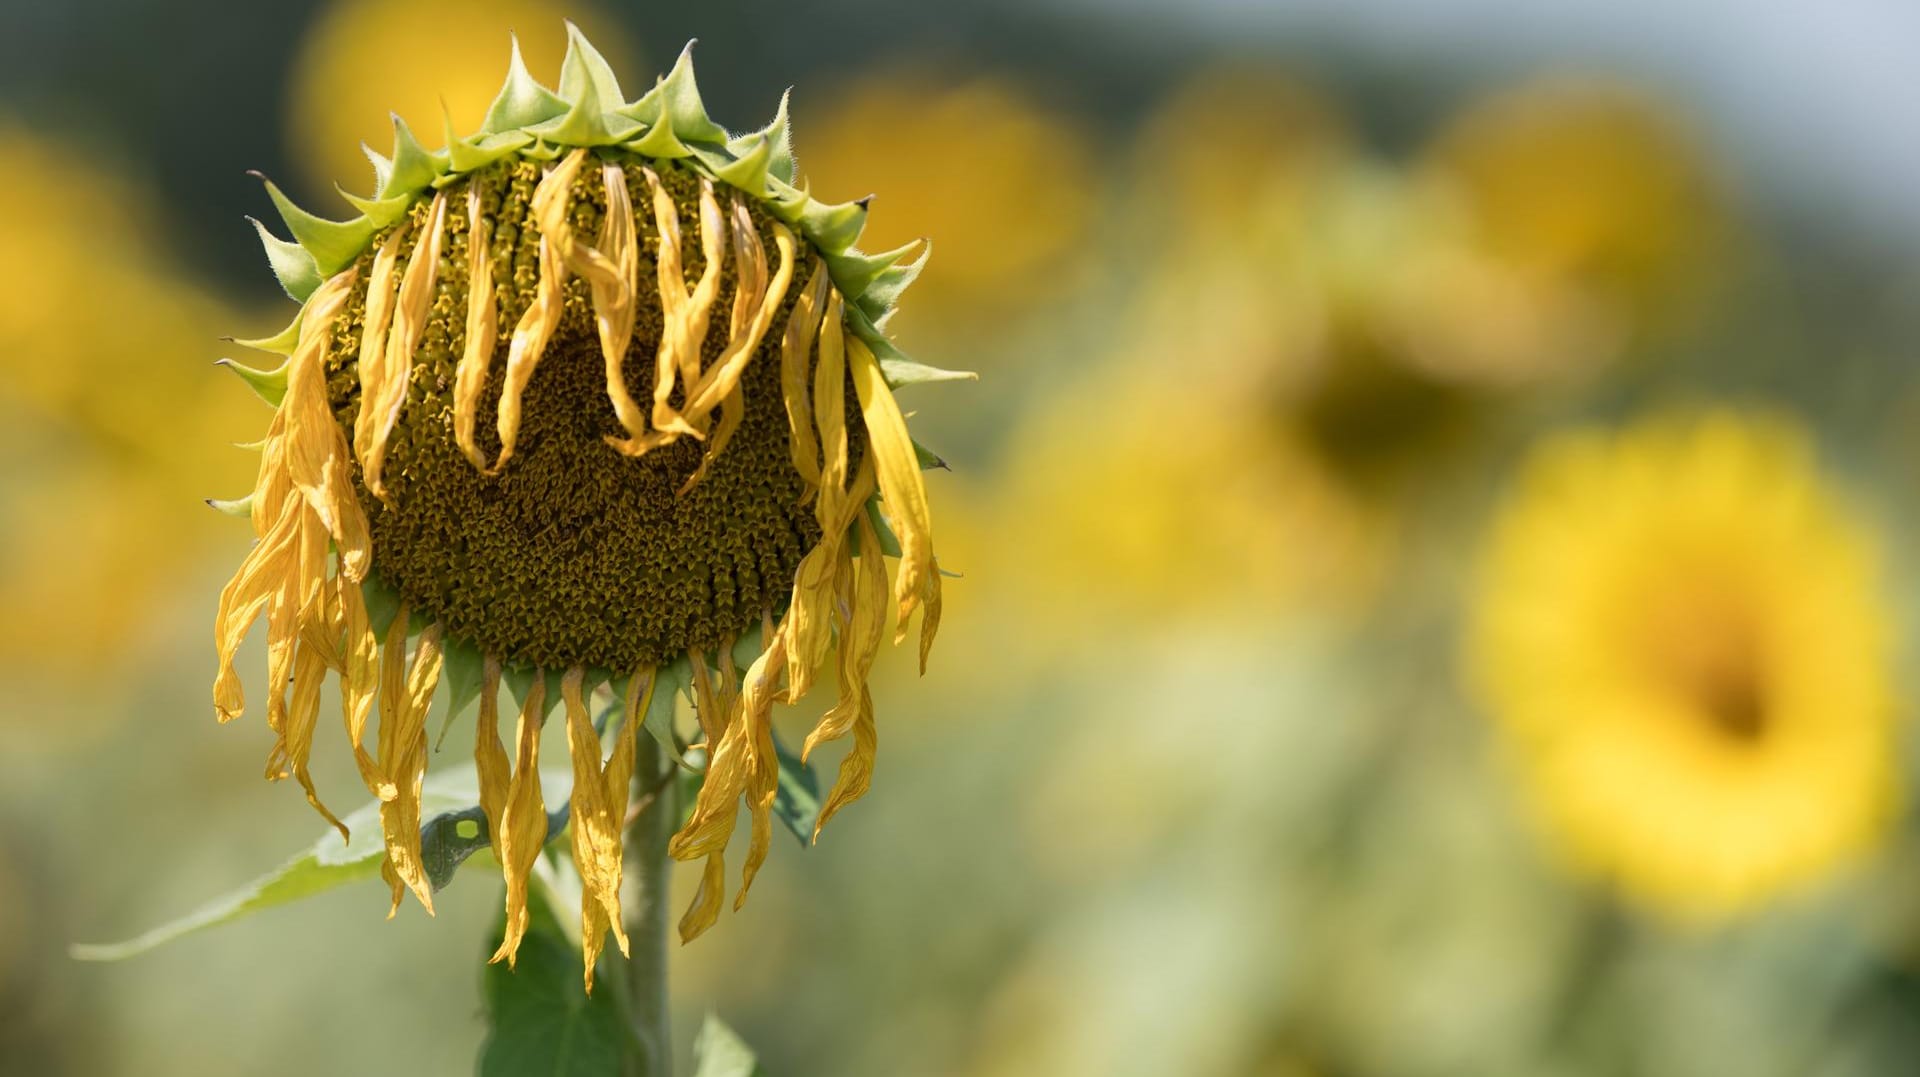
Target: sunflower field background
(1434, 527)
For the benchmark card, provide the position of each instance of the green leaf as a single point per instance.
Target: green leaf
(540, 1020)
(720, 1052)
(328, 864)
(797, 801)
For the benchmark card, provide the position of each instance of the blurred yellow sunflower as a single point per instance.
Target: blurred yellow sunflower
(1680, 632)
(1591, 184)
(344, 86)
(97, 515)
(1233, 514)
(957, 163)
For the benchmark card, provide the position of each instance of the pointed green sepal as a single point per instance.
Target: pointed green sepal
(586, 124)
(779, 138)
(788, 202)
(292, 266)
(659, 143)
(239, 506)
(414, 166)
(834, 227)
(746, 172)
(382, 168)
(269, 385)
(879, 299)
(854, 271)
(281, 343)
(928, 459)
(462, 670)
(882, 529)
(585, 74)
(895, 366)
(522, 102)
(676, 98)
(472, 154)
(333, 244)
(380, 212)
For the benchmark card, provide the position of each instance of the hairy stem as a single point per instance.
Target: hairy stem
(645, 906)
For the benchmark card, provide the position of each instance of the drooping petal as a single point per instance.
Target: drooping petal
(720, 385)
(542, 317)
(523, 825)
(796, 348)
(897, 467)
(611, 269)
(617, 783)
(313, 449)
(375, 322)
(490, 764)
(403, 760)
(360, 681)
(599, 817)
(295, 746)
(863, 627)
(483, 318)
(409, 321)
(247, 596)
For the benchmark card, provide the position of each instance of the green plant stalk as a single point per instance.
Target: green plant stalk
(644, 903)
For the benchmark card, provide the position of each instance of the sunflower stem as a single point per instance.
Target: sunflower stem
(645, 906)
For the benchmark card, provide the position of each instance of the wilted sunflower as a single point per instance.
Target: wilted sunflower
(1680, 630)
(592, 396)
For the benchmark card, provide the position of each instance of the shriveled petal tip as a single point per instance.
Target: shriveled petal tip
(523, 828)
(403, 759)
(599, 816)
(704, 911)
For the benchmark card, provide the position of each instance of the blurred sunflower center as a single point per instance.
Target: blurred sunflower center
(574, 553)
(1705, 650)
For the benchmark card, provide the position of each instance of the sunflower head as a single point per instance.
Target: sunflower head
(1679, 628)
(595, 398)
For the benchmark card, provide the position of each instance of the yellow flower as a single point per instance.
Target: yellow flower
(1592, 185)
(1233, 514)
(90, 485)
(957, 164)
(593, 397)
(344, 86)
(1679, 628)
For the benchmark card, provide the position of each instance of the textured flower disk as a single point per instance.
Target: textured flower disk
(576, 553)
(590, 398)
